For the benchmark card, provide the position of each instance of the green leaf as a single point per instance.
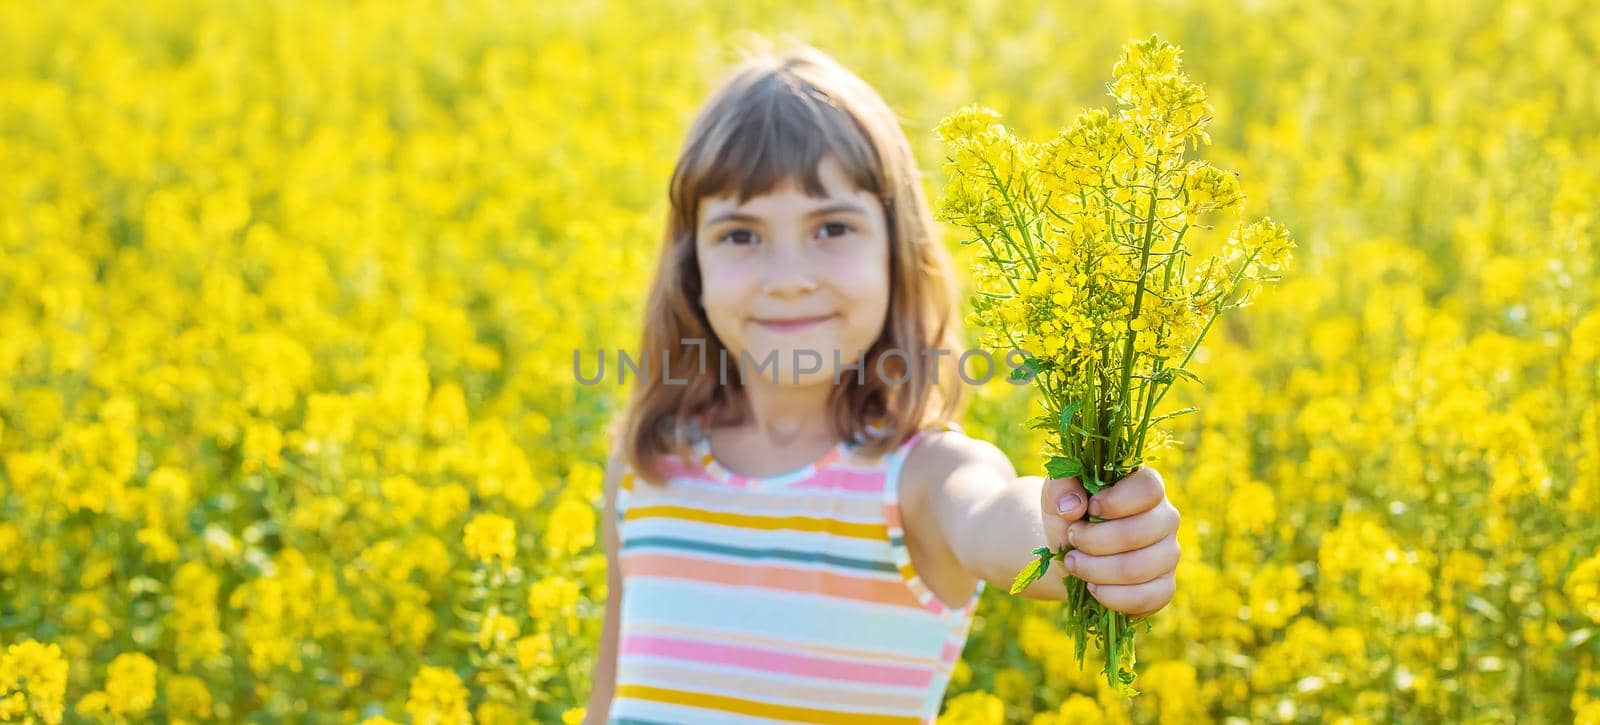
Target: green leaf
(1066, 417)
(1030, 368)
(1032, 571)
(1173, 414)
(1167, 374)
(1061, 467)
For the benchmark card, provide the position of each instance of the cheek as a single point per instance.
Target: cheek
(728, 288)
(864, 282)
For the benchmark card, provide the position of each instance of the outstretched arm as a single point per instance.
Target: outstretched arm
(993, 519)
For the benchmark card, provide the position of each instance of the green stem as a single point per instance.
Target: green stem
(1138, 300)
(1149, 406)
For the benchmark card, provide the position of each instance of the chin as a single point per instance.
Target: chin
(784, 355)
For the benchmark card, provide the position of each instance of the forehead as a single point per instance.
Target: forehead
(836, 184)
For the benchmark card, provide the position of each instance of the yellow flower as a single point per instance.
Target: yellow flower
(552, 596)
(1078, 708)
(263, 445)
(187, 696)
(570, 529)
(974, 708)
(967, 122)
(534, 652)
(437, 697)
(1175, 686)
(491, 712)
(490, 538)
(1211, 189)
(1583, 588)
(496, 629)
(37, 672)
(1274, 596)
(130, 684)
(1252, 507)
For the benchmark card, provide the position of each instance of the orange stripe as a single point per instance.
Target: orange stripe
(757, 709)
(773, 576)
(874, 531)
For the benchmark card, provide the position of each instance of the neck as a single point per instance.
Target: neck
(786, 414)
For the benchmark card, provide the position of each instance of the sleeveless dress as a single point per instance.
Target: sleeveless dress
(777, 599)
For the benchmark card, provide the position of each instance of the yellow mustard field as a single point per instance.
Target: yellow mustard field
(290, 291)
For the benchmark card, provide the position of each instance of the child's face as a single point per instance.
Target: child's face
(786, 273)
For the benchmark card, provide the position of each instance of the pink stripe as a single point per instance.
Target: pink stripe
(952, 650)
(774, 661)
(839, 479)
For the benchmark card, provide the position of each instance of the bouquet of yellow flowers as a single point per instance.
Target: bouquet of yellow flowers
(1086, 271)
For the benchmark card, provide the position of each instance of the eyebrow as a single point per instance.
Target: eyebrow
(834, 208)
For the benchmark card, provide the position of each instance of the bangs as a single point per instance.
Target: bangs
(774, 128)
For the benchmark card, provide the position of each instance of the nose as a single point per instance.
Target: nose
(791, 271)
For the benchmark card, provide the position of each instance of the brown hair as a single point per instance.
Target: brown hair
(776, 117)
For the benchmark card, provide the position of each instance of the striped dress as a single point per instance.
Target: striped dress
(787, 598)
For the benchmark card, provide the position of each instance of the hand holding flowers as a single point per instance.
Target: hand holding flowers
(1085, 268)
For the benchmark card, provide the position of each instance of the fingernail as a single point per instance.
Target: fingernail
(1069, 502)
(1093, 588)
(1070, 561)
(1071, 531)
(1094, 507)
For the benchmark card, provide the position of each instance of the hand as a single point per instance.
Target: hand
(1130, 558)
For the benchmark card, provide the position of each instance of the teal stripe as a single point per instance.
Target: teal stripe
(667, 542)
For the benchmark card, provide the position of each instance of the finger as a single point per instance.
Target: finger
(1135, 493)
(1064, 497)
(1115, 536)
(1129, 567)
(1136, 600)
(1055, 494)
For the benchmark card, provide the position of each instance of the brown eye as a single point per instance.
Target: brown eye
(841, 227)
(734, 236)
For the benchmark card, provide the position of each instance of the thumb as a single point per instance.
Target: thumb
(1063, 499)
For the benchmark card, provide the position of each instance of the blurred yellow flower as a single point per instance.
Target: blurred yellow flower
(571, 528)
(490, 538)
(130, 684)
(33, 680)
(1583, 588)
(437, 697)
(973, 708)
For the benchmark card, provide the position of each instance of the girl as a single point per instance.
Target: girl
(791, 540)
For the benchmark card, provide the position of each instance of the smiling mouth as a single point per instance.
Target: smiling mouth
(787, 324)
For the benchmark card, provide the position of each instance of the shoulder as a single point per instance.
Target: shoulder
(949, 450)
(944, 455)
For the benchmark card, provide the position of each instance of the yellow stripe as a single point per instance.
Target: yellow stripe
(800, 523)
(755, 709)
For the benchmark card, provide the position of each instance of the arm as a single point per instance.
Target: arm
(992, 519)
(604, 678)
